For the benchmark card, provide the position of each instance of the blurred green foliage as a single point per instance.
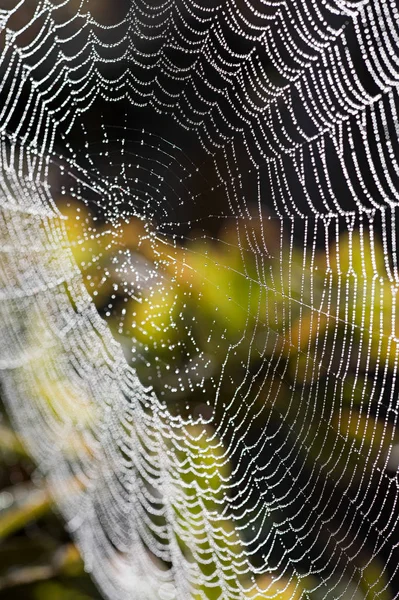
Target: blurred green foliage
(216, 306)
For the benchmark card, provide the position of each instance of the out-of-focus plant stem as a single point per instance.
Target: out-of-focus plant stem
(66, 562)
(35, 504)
(9, 442)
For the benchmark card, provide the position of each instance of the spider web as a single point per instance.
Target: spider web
(199, 340)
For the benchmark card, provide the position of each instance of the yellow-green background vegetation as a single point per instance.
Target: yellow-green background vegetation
(267, 306)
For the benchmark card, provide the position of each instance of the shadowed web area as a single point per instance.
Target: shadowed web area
(199, 332)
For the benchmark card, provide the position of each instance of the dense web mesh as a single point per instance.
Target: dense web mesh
(199, 337)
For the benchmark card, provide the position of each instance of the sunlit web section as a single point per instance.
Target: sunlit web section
(199, 338)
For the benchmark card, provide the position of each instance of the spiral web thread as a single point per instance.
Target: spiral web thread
(256, 457)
